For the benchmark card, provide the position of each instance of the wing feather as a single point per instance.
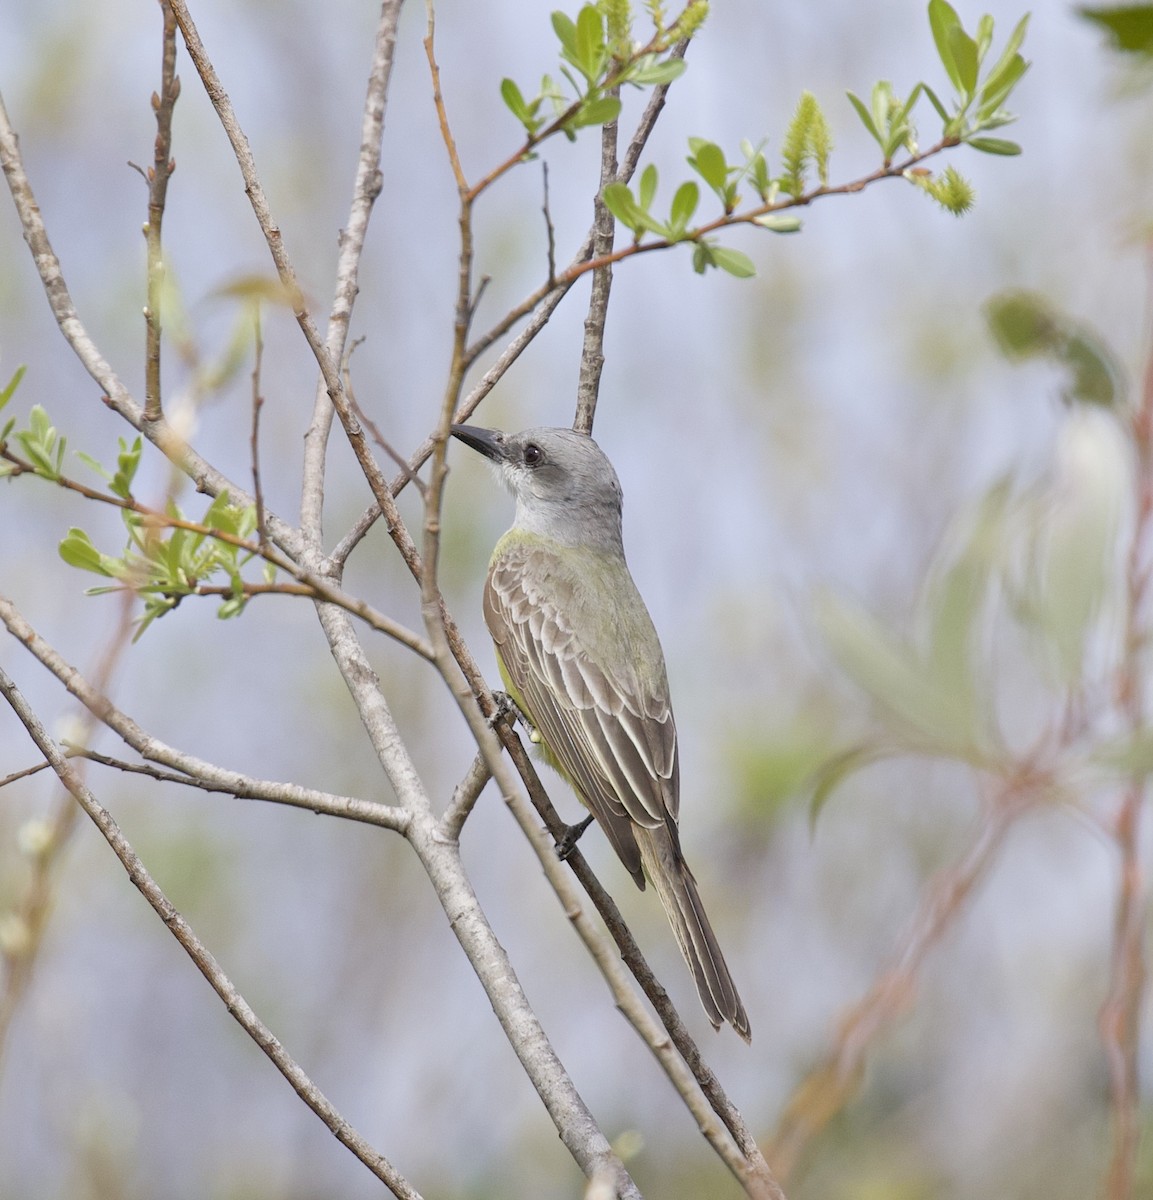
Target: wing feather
(613, 736)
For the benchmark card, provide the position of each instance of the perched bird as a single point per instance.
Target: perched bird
(581, 658)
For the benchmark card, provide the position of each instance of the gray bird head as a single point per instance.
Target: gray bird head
(565, 487)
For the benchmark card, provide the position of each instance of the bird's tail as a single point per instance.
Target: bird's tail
(665, 866)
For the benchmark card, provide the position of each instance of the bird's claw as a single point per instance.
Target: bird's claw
(567, 842)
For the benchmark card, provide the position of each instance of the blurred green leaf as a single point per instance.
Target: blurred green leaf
(1025, 325)
(1130, 26)
(1130, 755)
(834, 771)
(938, 716)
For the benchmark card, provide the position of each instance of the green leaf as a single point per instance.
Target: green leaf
(733, 261)
(943, 21)
(998, 88)
(647, 190)
(77, 550)
(596, 112)
(619, 200)
(566, 31)
(988, 145)
(936, 103)
(709, 163)
(779, 222)
(591, 53)
(684, 206)
(984, 36)
(866, 117)
(1130, 26)
(10, 389)
(514, 100)
(965, 57)
(651, 72)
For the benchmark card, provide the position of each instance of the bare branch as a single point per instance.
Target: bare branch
(237, 1006)
(366, 188)
(163, 164)
(463, 798)
(151, 748)
(257, 405)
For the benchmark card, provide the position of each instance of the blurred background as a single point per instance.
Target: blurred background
(817, 428)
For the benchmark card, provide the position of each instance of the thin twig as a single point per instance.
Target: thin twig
(213, 777)
(464, 797)
(592, 350)
(316, 586)
(550, 232)
(257, 405)
(749, 1164)
(237, 1006)
(163, 164)
(542, 308)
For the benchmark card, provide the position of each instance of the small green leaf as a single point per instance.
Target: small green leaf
(733, 261)
(590, 54)
(779, 222)
(988, 145)
(936, 103)
(619, 200)
(965, 57)
(648, 186)
(514, 100)
(684, 205)
(943, 21)
(709, 163)
(566, 31)
(651, 72)
(596, 112)
(10, 389)
(77, 550)
(984, 36)
(866, 117)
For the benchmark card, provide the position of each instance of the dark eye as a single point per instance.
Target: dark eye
(532, 454)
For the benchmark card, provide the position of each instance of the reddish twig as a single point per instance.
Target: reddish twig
(827, 1089)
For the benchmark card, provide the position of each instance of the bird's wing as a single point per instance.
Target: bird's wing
(614, 738)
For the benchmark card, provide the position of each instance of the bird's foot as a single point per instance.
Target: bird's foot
(507, 709)
(567, 842)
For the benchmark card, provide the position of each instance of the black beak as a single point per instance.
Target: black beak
(489, 442)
